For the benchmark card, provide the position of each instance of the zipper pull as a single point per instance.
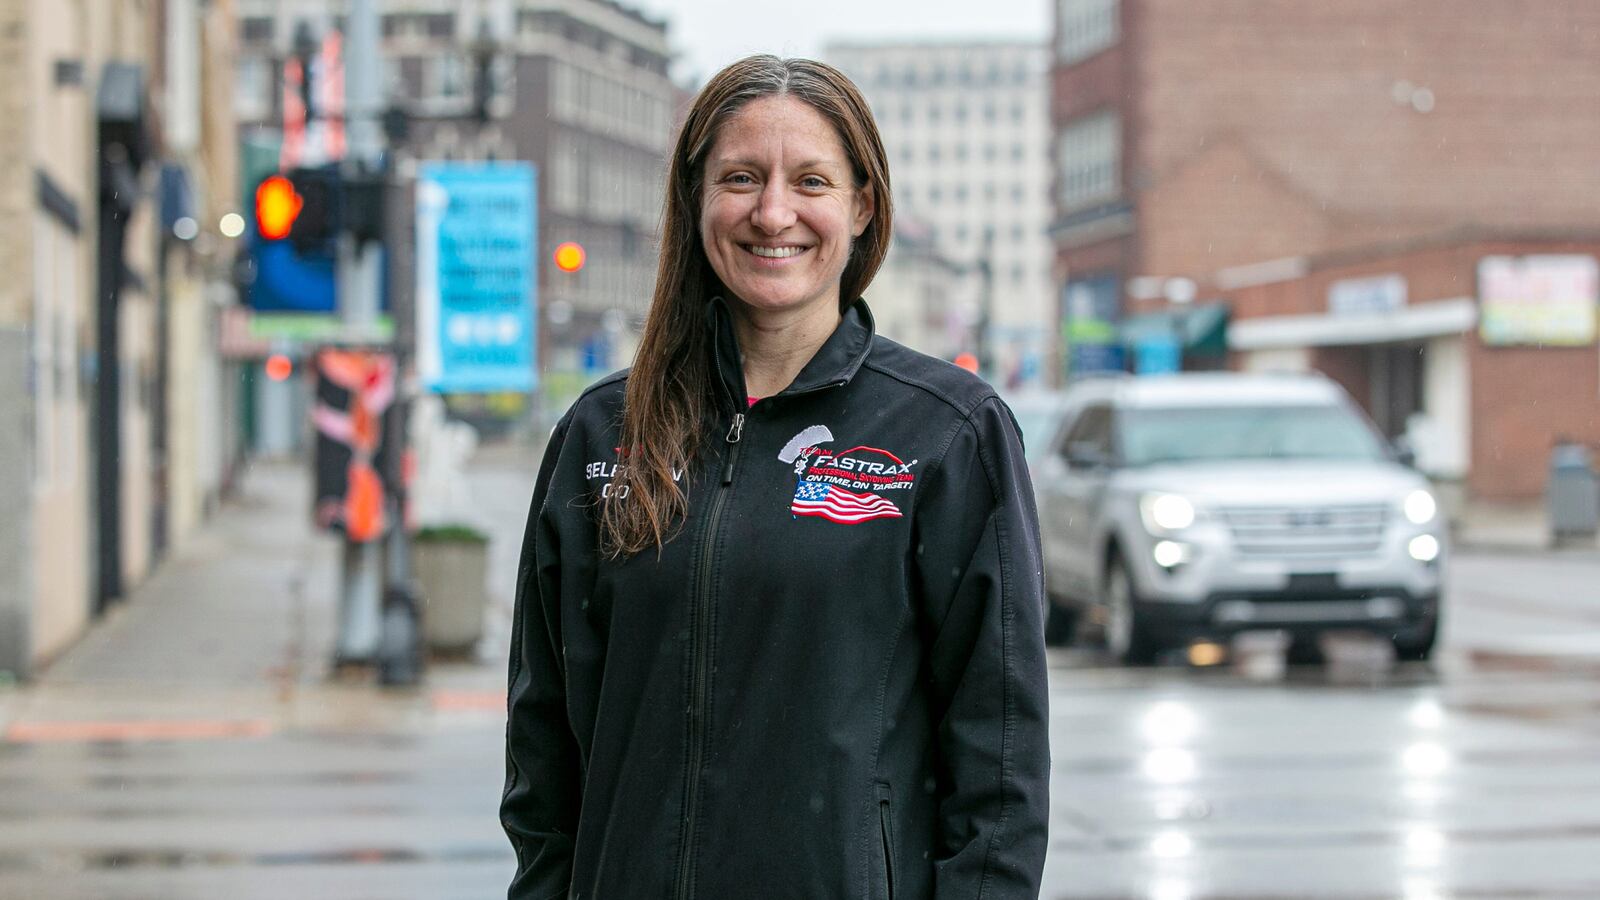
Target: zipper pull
(734, 433)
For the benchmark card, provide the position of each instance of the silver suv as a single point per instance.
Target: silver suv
(1195, 506)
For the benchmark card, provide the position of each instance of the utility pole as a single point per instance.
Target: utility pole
(361, 576)
(983, 345)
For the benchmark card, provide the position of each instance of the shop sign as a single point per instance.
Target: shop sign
(476, 282)
(1367, 296)
(1089, 325)
(1538, 299)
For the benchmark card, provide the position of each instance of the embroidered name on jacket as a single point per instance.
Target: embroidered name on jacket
(850, 486)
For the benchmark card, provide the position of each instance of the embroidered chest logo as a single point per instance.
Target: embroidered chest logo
(845, 486)
(609, 470)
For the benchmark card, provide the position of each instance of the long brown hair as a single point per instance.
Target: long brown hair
(671, 393)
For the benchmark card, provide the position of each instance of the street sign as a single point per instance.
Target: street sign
(476, 285)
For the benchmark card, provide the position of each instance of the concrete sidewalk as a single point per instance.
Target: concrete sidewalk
(239, 623)
(1511, 528)
(250, 598)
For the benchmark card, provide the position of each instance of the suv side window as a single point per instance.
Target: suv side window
(1091, 432)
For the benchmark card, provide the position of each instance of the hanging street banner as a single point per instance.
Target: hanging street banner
(476, 232)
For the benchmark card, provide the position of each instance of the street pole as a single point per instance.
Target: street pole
(361, 577)
(983, 345)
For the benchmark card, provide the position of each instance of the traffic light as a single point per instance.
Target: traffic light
(279, 367)
(570, 256)
(277, 207)
(310, 206)
(318, 221)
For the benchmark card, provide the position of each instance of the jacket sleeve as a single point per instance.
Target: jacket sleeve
(980, 583)
(539, 808)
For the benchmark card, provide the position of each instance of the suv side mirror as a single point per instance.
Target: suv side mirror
(1085, 455)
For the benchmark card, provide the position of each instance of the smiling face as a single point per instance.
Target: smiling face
(779, 207)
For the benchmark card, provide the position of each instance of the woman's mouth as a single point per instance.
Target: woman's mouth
(783, 252)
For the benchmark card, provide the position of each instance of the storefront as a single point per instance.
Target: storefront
(1479, 353)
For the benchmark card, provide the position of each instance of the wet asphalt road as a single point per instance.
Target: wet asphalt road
(1475, 776)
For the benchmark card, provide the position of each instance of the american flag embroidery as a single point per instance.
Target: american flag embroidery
(836, 504)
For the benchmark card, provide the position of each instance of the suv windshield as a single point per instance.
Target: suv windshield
(1195, 434)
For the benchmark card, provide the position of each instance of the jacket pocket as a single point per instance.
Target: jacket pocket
(886, 838)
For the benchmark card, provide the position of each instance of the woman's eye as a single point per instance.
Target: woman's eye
(813, 182)
(739, 178)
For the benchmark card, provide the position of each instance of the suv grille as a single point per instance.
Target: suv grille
(1304, 532)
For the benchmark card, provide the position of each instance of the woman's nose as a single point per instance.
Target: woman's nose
(773, 212)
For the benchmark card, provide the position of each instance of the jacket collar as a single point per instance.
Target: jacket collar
(835, 363)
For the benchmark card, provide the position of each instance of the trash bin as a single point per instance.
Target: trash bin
(451, 564)
(1573, 494)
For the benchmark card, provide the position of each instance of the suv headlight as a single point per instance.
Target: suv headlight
(1420, 507)
(1165, 512)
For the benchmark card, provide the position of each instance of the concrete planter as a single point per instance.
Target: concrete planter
(451, 567)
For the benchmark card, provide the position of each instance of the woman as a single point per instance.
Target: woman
(779, 611)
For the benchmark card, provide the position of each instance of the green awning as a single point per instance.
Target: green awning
(1199, 330)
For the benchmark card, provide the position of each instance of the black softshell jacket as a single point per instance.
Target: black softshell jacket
(830, 683)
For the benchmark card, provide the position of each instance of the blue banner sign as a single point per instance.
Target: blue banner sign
(476, 284)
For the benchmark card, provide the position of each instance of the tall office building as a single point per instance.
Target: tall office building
(578, 87)
(967, 131)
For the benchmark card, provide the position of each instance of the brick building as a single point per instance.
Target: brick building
(1332, 177)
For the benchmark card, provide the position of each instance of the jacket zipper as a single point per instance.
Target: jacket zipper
(886, 837)
(702, 663)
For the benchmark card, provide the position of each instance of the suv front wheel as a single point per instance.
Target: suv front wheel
(1127, 638)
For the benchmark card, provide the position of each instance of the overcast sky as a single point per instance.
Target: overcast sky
(709, 34)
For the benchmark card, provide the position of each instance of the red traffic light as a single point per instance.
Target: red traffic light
(279, 367)
(570, 256)
(277, 206)
(967, 361)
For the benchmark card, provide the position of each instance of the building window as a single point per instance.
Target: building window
(933, 114)
(961, 113)
(439, 25)
(252, 88)
(1017, 232)
(450, 78)
(936, 76)
(1088, 155)
(394, 78)
(255, 29)
(1017, 193)
(1017, 113)
(907, 154)
(908, 114)
(961, 193)
(989, 113)
(1084, 28)
(1017, 152)
(961, 153)
(988, 193)
(934, 195)
(933, 153)
(989, 153)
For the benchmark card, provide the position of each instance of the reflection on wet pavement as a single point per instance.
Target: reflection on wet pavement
(149, 858)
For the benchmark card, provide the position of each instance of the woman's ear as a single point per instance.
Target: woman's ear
(866, 208)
